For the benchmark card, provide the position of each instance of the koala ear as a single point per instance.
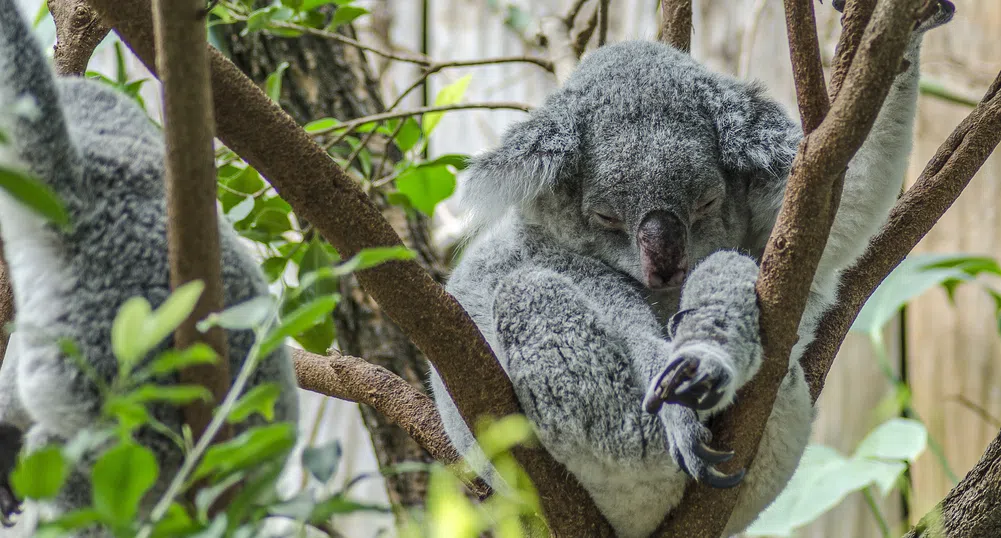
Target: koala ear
(533, 156)
(756, 136)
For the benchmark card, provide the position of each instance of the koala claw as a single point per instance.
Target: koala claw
(9, 505)
(682, 383)
(687, 443)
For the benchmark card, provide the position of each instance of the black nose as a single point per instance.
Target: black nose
(662, 239)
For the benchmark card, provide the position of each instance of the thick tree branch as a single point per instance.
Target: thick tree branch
(356, 380)
(676, 24)
(938, 186)
(253, 126)
(793, 253)
(78, 32)
(973, 508)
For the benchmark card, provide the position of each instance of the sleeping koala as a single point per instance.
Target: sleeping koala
(614, 269)
(98, 151)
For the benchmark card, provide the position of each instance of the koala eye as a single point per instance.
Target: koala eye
(708, 206)
(608, 221)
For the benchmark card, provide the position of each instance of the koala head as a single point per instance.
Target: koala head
(643, 159)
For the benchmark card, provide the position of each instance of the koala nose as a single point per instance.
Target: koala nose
(662, 240)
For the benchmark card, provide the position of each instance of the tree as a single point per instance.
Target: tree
(868, 56)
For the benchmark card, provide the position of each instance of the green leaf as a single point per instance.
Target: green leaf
(322, 461)
(274, 267)
(126, 331)
(127, 413)
(896, 439)
(302, 318)
(326, 509)
(246, 315)
(172, 394)
(909, 280)
(260, 399)
(169, 315)
(120, 478)
(273, 84)
(292, 4)
(409, 134)
(247, 450)
(426, 185)
(241, 210)
(345, 15)
(259, 19)
(71, 521)
(176, 522)
(34, 195)
(370, 257)
(449, 95)
(173, 360)
(40, 474)
(322, 124)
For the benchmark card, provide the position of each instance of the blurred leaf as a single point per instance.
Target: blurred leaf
(322, 461)
(120, 477)
(173, 360)
(172, 394)
(260, 399)
(293, 4)
(409, 135)
(249, 314)
(176, 522)
(896, 439)
(426, 185)
(370, 257)
(345, 14)
(298, 321)
(449, 95)
(40, 474)
(34, 195)
(326, 509)
(247, 450)
(322, 124)
(274, 267)
(273, 84)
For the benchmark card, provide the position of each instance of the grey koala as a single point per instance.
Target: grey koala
(613, 271)
(103, 157)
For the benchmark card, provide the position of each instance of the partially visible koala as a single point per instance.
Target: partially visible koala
(614, 269)
(102, 156)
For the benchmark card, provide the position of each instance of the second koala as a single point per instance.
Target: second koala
(613, 273)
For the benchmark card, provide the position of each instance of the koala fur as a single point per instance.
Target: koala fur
(104, 158)
(591, 215)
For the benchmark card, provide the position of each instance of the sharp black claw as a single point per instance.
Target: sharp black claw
(711, 455)
(664, 385)
(719, 480)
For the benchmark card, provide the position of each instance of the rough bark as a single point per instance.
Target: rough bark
(78, 32)
(973, 508)
(6, 304)
(192, 218)
(676, 24)
(328, 78)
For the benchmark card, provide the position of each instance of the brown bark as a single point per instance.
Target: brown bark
(345, 89)
(270, 141)
(973, 508)
(676, 24)
(192, 225)
(6, 304)
(78, 32)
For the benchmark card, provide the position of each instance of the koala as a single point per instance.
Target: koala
(103, 157)
(617, 237)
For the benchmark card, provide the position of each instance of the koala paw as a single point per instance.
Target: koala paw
(687, 443)
(695, 379)
(9, 504)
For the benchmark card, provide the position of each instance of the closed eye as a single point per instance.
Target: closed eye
(707, 207)
(608, 221)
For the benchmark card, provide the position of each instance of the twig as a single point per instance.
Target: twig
(192, 218)
(676, 24)
(808, 71)
(78, 32)
(853, 22)
(356, 380)
(349, 126)
(571, 16)
(793, 253)
(580, 40)
(256, 128)
(603, 22)
(941, 182)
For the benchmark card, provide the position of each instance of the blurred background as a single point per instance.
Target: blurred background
(937, 359)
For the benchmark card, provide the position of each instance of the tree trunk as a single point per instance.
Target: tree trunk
(326, 78)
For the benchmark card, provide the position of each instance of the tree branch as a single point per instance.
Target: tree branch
(938, 186)
(6, 304)
(973, 508)
(794, 250)
(192, 217)
(254, 127)
(356, 380)
(856, 16)
(807, 69)
(78, 32)
(676, 24)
